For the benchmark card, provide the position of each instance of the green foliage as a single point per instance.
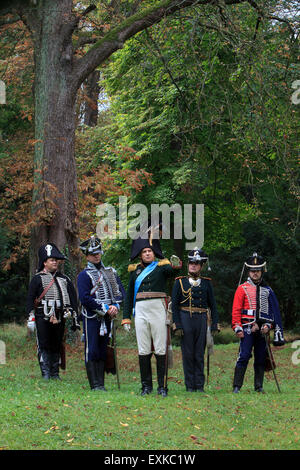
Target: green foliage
(13, 283)
(209, 113)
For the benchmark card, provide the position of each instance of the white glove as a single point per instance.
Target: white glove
(127, 327)
(31, 323)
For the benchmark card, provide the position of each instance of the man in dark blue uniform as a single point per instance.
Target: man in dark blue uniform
(100, 293)
(192, 296)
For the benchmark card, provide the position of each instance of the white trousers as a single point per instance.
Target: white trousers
(150, 324)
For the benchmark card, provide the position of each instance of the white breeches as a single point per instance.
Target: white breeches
(150, 324)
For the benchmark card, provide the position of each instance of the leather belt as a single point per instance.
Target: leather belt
(150, 295)
(249, 312)
(195, 310)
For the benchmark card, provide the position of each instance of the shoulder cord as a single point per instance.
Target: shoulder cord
(188, 295)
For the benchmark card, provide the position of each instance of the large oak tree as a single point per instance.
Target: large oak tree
(68, 46)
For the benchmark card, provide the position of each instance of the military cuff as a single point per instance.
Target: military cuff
(238, 328)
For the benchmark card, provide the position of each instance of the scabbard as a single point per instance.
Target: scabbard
(115, 354)
(207, 367)
(272, 364)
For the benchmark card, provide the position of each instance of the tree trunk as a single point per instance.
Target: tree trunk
(91, 91)
(54, 204)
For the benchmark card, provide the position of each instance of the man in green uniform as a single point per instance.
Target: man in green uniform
(146, 299)
(192, 296)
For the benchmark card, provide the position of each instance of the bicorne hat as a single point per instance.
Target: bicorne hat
(48, 251)
(92, 246)
(140, 243)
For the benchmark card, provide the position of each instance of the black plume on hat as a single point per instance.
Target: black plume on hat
(48, 251)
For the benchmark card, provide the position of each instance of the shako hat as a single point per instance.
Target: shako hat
(256, 263)
(92, 246)
(197, 255)
(48, 251)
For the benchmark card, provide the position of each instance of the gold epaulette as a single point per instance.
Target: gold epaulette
(208, 278)
(180, 277)
(163, 262)
(132, 267)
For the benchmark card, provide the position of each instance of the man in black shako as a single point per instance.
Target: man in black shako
(192, 298)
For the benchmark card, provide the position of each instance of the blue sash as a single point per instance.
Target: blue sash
(140, 279)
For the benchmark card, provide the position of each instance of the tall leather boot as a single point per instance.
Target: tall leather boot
(44, 362)
(238, 379)
(161, 368)
(259, 372)
(54, 366)
(146, 373)
(95, 374)
(100, 373)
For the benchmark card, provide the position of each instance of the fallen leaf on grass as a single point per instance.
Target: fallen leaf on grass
(124, 424)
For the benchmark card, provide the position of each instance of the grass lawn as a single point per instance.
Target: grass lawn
(38, 415)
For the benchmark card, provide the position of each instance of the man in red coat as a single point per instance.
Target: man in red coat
(255, 311)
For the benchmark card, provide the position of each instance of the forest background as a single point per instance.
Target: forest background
(196, 109)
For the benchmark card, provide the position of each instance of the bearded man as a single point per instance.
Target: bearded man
(255, 312)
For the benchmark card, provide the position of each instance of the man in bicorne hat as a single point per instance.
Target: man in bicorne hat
(51, 299)
(192, 299)
(255, 312)
(146, 298)
(100, 293)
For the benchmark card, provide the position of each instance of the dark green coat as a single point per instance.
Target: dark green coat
(156, 281)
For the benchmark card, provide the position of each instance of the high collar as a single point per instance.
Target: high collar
(97, 266)
(194, 276)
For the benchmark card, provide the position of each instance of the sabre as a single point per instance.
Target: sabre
(272, 364)
(207, 366)
(167, 359)
(115, 354)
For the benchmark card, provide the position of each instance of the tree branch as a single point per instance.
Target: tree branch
(116, 38)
